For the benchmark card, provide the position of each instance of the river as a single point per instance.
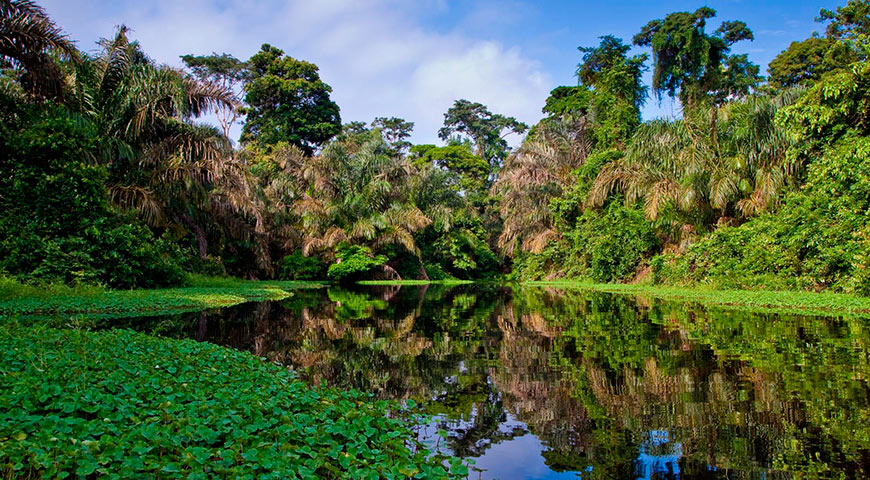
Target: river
(542, 383)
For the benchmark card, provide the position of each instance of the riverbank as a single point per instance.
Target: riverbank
(209, 292)
(824, 303)
(201, 293)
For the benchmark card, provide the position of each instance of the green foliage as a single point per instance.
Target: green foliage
(455, 157)
(618, 90)
(834, 107)
(609, 245)
(690, 61)
(287, 101)
(395, 132)
(200, 293)
(224, 70)
(110, 252)
(575, 101)
(299, 267)
(461, 252)
(353, 262)
(485, 129)
(55, 221)
(805, 62)
(30, 44)
(612, 244)
(847, 22)
(124, 404)
(610, 95)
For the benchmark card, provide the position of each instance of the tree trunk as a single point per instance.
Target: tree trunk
(422, 275)
(201, 241)
(202, 327)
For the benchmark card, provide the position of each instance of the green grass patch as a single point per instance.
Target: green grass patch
(824, 303)
(204, 292)
(121, 404)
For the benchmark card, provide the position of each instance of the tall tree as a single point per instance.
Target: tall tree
(618, 91)
(161, 163)
(687, 61)
(608, 67)
(225, 70)
(287, 101)
(687, 175)
(395, 131)
(485, 129)
(457, 158)
(538, 172)
(805, 62)
(358, 191)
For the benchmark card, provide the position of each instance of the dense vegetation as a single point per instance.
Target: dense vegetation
(110, 179)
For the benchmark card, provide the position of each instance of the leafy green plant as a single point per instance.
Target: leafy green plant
(122, 404)
(299, 267)
(613, 243)
(203, 292)
(353, 262)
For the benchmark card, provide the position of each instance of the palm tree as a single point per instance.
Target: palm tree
(29, 42)
(716, 165)
(162, 164)
(538, 172)
(359, 191)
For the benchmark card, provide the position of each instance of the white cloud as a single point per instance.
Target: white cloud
(376, 54)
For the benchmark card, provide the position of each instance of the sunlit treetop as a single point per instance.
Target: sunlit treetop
(687, 61)
(848, 21)
(287, 101)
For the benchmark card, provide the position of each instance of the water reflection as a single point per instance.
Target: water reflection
(543, 383)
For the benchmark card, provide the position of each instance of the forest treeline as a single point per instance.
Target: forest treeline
(110, 175)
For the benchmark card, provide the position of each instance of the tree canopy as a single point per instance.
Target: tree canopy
(485, 129)
(688, 62)
(592, 190)
(287, 101)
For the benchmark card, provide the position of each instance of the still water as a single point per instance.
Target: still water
(538, 383)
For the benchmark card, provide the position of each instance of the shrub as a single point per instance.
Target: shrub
(613, 243)
(299, 267)
(354, 262)
(107, 251)
(125, 405)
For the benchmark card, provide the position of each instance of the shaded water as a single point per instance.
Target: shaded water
(544, 383)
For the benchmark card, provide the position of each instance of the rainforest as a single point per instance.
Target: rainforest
(206, 272)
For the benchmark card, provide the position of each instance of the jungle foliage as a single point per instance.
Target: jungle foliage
(110, 177)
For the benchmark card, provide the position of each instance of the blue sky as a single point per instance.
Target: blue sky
(412, 58)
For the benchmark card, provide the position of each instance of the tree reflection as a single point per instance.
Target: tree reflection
(613, 386)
